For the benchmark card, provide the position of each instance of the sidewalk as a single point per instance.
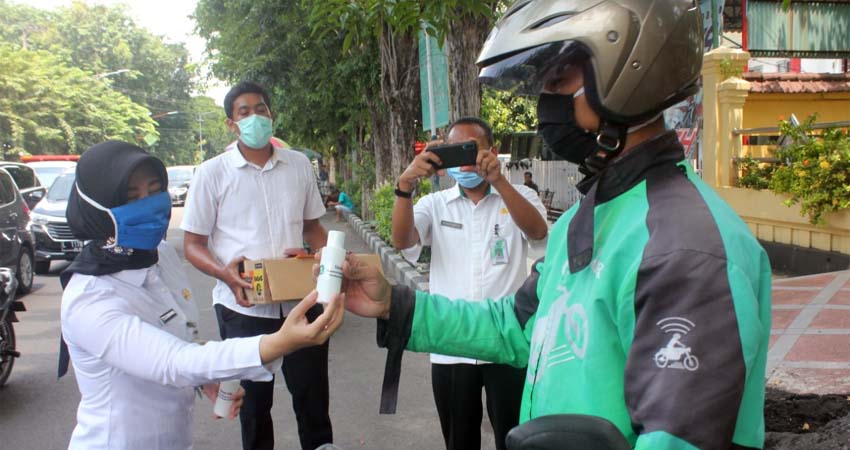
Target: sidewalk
(810, 334)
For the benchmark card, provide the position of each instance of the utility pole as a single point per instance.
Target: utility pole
(201, 130)
(715, 25)
(200, 134)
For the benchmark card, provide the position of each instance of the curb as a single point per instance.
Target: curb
(394, 265)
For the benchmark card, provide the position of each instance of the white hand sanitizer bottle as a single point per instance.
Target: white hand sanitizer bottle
(330, 268)
(226, 389)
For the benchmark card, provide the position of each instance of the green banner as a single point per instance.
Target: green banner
(808, 30)
(439, 82)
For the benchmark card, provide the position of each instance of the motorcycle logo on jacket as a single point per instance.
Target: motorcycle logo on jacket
(676, 354)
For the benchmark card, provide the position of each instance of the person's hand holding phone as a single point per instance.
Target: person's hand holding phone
(422, 166)
(489, 166)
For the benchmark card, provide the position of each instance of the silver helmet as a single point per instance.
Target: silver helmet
(642, 55)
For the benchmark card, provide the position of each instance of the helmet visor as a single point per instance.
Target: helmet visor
(528, 71)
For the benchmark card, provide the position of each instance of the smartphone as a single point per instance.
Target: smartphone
(455, 155)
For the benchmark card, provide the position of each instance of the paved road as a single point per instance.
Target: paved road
(38, 412)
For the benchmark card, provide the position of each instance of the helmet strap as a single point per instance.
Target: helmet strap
(611, 139)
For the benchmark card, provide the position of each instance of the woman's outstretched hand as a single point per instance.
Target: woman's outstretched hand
(297, 332)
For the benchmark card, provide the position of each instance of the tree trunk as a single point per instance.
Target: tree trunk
(343, 169)
(465, 37)
(400, 93)
(379, 141)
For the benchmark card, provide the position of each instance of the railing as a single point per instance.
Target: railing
(817, 126)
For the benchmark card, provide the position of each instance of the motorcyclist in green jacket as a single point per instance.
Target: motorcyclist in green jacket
(652, 307)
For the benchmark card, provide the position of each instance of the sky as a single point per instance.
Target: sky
(168, 18)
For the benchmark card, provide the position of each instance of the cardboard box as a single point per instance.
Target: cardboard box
(289, 279)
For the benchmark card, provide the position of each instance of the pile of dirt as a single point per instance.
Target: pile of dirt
(806, 421)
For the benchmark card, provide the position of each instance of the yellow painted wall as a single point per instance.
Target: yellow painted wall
(765, 110)
(770, 220)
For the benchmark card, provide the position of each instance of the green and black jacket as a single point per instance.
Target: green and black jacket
(651, 309)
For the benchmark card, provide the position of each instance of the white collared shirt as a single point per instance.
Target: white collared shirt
(252, 211)
(130, 336)
(460, 234)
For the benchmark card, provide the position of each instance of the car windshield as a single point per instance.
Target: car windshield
(61, 188)
(179, 176)
(47, 175)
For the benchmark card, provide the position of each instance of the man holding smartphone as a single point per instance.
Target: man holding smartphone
(478, 232)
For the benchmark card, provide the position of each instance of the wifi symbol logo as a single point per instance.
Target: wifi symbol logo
(676, 325)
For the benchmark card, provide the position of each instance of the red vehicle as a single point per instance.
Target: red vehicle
(45, 158)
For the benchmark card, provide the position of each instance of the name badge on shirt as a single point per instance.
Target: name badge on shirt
(498, 248)
(446, 223)
(168, 315)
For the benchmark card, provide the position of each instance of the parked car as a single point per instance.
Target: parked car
(48, 171)
(179, 178)
(16, 241)
(53, 238)
(27, 182)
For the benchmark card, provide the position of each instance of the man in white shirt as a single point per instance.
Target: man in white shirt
(478, 232)
(254, 201)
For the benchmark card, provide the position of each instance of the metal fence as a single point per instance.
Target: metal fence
(558, 176)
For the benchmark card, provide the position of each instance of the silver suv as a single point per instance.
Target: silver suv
(53, 238)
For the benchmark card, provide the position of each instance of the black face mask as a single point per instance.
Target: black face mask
(557, 126)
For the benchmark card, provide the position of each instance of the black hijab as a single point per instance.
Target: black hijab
(102, 174)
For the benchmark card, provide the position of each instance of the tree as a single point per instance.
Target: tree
(48, 107)
(466, 28)
(104, 41)
(211, 129)
(395, 24)
(507, 112)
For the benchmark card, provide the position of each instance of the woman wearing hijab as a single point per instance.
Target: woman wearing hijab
(128, 318)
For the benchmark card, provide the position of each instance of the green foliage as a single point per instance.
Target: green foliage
(319, 98)
(48, 107)
(814, 171)
(507, 113)
(361, 21)
(755, 174)
(105, 43)
(382, 206)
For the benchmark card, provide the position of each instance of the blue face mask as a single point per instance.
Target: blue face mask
(255, 131)
(469, 180)
(140, 224)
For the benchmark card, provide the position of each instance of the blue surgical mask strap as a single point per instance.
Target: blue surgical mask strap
(97, 205)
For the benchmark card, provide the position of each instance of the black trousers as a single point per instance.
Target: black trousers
(306, 375)
(457, 393)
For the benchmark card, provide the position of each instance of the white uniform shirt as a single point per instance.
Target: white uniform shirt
(460, 234)
(252, 211)
(135, 366)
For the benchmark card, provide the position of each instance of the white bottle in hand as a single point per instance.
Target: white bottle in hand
(330, 268)
(226, 390)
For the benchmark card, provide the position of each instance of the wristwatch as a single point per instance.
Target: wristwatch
(402, 194)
